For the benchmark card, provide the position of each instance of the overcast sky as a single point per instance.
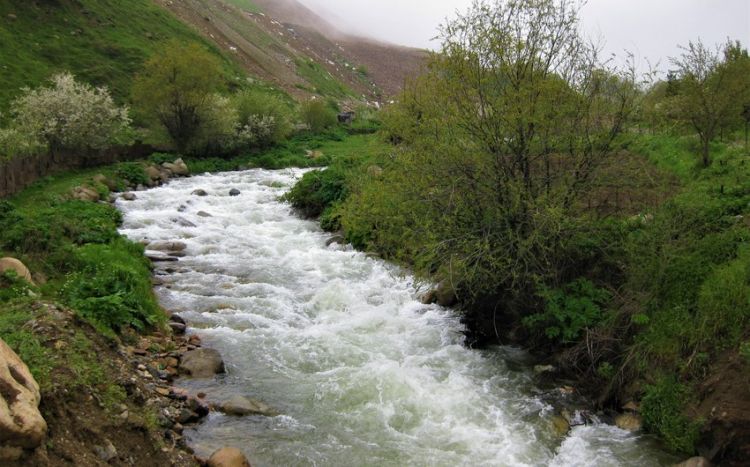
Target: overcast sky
(651, 29)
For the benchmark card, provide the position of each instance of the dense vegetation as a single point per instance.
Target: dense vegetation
(505, 186)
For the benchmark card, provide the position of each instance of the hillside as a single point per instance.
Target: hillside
(106, 42)
(287, 44)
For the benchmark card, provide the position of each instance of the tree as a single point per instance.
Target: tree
(70, 115)
(265, 117)
(175, 87)
(711, 88)
(501, 139)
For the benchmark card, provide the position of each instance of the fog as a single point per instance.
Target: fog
(651, 29)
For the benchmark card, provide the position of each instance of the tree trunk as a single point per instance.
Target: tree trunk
(705, 152)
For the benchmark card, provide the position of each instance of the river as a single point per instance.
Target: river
(361, 371)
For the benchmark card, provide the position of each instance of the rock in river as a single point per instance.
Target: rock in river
(239, 405)
(202, 363)
(228, 457)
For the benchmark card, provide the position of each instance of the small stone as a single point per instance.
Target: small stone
(203, 214)
(107, 451)
(199, 192)
(177, 319)
(234, 192)
(162, 391)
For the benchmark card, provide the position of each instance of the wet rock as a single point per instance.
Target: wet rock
(198, 406)
(239, 405)
(629, 422)
(204, 214)
(128, 196)
(177, 319)
(12, 264)
(187, 416)
(199, 192)
(83, 193)
(543, 369)
(177, 328)
(107, 451)
(182, 208)
(560, 425)
(202, 363)
(182, 222)
(631, 407)
(234, 192)
(159, 256)
(21, 423)
(429, 297)
(228, 457)
(445, 295)
(336, 239)
(166, 246)
(695, 462)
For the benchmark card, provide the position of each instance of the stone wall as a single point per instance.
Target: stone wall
(19, 172)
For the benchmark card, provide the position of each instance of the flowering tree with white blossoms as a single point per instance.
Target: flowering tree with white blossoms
(71, 115)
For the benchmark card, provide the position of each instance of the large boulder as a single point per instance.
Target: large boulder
(178, 167)
(12, 264)
(239, 405)
(21, 423)
(153, 173)
(228, 457)
(83, 193)
(202, 363)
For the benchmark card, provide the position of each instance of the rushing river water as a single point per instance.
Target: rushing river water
(362, 372)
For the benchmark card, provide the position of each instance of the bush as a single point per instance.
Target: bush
(133, 173)
(317, 191)
(70, 115)
(112, 287)
(15, 143)
(662, 407)
(317, 115)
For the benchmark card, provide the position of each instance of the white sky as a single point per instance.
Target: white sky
(651, 29)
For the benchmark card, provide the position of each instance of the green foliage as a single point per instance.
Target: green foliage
(744, 351)
(16, 333)
(569, 310)
(133, 173)
(257, 103)
(13, 287)
(662, 408)
(112, 288)
(175, 87)
(317, 115)
(105, 42)
(322, 81)
(317, 191)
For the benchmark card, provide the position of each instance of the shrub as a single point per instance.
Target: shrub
(317, 115)
(266, 118)
(569, 310)
(218, 131)
(662, 407)
(132, 172)
(70, 115)
(317, 191)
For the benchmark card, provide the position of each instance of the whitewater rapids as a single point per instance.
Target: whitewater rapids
(361, 371)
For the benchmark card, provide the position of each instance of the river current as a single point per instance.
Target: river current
(362, 373)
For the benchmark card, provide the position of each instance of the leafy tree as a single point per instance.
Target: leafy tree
(69, 115)
(500, 141)
(711, 89)
(175, 87)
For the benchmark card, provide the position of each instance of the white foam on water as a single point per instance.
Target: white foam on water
(363, 373)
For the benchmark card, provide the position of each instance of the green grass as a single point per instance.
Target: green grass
(321, 80)
(246, 5)
(103, 42)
